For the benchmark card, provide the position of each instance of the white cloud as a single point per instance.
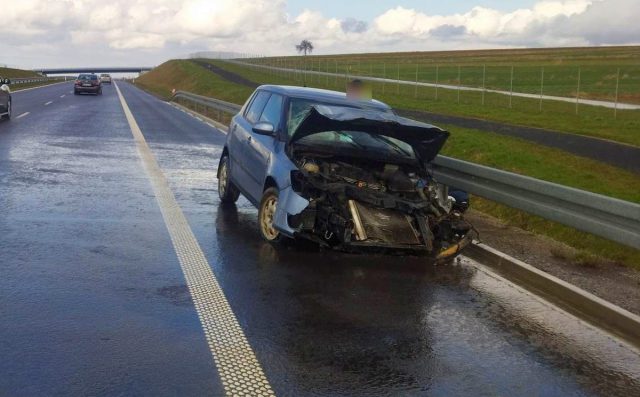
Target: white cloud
(95, 31)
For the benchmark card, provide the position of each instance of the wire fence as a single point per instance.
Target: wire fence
(532, 88)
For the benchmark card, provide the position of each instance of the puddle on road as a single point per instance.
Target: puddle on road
(558, 335)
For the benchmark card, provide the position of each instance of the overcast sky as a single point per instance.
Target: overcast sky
(51, 33)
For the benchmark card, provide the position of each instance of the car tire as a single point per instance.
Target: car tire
(8, 115)
(100, 91)
(227, 191)
(266, 212)
(75, 92)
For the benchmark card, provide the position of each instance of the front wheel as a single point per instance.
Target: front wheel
(227, 191)
(266, 213)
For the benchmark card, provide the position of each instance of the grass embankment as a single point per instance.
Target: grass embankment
(11, 73)
(561, 116)
(490, 149)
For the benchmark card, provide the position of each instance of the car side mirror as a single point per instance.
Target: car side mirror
(264, 128)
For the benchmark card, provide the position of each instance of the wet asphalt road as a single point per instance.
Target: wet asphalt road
(93, 300)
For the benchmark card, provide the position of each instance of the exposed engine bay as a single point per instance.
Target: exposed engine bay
(358, 203)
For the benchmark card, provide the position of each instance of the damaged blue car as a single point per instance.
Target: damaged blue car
(347, 174)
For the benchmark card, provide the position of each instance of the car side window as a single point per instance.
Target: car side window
(272, 112)
(255, 109)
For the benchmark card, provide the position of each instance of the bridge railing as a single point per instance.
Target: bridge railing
(607, 217)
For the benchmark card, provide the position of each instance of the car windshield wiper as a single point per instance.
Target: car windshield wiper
(351, 140)
(391, 143)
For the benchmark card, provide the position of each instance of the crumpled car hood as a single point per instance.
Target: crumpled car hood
(425, 139)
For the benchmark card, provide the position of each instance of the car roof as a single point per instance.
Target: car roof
(320, 95)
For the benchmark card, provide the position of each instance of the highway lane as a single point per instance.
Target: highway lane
(95, 302)
(92, 299)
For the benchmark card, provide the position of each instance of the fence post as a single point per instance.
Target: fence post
(458, 83)
(578, 91)
(511, 89)
(484, 75)
(384, 75)
(541, 86)
(326, 82)
(615, 107)
(437, 70)
(398, 79)
(415, 94)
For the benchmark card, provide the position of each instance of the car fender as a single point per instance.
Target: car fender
(289, 202)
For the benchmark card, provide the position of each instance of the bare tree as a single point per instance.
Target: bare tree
(305, 46)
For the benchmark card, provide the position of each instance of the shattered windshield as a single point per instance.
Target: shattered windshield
(298, 109)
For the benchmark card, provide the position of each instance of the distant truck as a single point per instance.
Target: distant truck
(5, 99)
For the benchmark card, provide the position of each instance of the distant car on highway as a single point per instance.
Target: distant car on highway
(89, 83)
(345, 173)
(5, 99)
(105, 78)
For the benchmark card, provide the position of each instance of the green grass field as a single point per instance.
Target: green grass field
(597, 67)
(561, 116)
(493, 150)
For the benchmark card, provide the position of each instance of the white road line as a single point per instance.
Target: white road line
(22, 115)
(239, 369)
(48, 103)
(63, 95)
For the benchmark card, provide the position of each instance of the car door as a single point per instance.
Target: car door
(260, 147)
(4, 96)
(240, 136)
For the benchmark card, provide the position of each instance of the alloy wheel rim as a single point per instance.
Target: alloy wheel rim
(267, 218)
(223, 179)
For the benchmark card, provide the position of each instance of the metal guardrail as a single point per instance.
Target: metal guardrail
(208, 102)
(607, 217)
(32, 80)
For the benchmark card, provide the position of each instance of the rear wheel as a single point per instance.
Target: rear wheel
(100, 91)
(8, 116)
(227, 191)
(266, 213)
(75, 92)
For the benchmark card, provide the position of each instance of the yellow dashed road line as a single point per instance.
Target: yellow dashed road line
(239, 369)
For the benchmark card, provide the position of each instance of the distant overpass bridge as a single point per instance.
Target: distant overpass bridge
(130, 69)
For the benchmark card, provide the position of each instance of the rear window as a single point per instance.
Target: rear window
(87, 77)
